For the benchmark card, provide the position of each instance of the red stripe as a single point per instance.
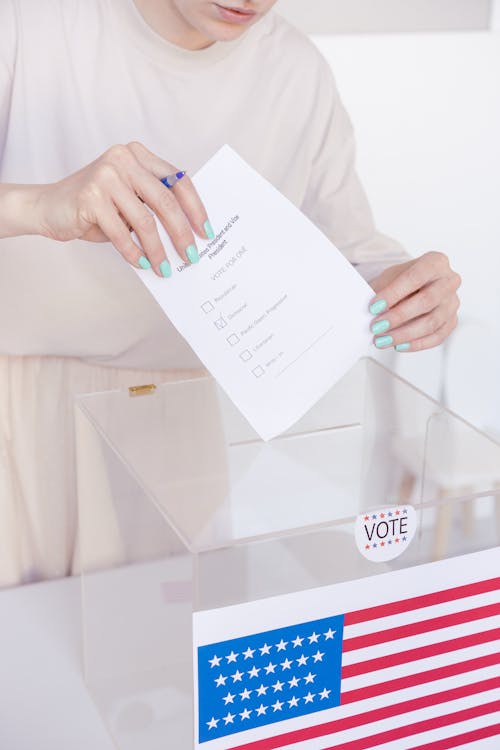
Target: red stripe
(461, 739)
(377, 714)
(423, 652)
(426, 600)
(416, 628)
(437, 722)
(401, 683)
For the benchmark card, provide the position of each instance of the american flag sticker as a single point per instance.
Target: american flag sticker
(410, 662)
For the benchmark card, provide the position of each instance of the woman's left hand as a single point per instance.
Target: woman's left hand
(416, 304)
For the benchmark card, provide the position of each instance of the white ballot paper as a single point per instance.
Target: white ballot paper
(273, 310)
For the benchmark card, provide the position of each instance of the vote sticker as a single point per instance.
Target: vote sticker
(384, 534)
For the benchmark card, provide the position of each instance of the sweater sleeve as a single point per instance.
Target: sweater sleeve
(335, 199)
(8, 45)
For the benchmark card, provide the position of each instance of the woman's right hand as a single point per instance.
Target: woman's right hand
(117, 194)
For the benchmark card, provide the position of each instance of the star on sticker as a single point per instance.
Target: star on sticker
(237, 676)
(397, 512)
(374, 517)
(294, 682)
(286, 664)
(278, 686)
(389, 514)
(215, 661)
(278, 705)
(265, 649)
(229, 698)
(281, 646)
(324, 693)
(313, 638)
(262, 690)
(261, 709)
(318, 656)
(220, 680)
(254, 671)
(297, 641)
(248, 654)
(245, 714)
(396, 540)
(404, 539)
(309, 697)
(302, 660)
(367, 518)
(367, 546)
(382, 544)
(270, 668)
(293, 702)
(309, 678)
(229, 718)
(231, 657)
(212, 724)
(390, 541)
(329, 634)
(374, 545)
(404, 510)
(245, 695)
(382, 515)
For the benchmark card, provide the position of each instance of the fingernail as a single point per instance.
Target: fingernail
(144, 263)
(378, 307)
(402, 347)
(165, 269)
(383, 341)
(192, 254)
(380, 326)
(208, 230)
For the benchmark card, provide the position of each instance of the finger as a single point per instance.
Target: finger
(117, 233)
(142, 222)
(426, 269)
(424, 325)
(424, 301)
(184, 190)
(428, 342)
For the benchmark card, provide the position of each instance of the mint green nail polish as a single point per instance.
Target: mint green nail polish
(383, 341)
(380, 327)
(192, 254)
(378, 307)
(165, 269)
(144, 263)
(208, 230)
(402, 347)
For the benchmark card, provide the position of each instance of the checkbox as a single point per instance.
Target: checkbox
(220, 323)
(207, 307)
(258, 371)
(245, 355)
(232, 339)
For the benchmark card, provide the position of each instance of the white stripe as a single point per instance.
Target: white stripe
(424, 613)
(403, 645)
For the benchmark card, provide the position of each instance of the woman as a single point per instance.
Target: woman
(99, 100)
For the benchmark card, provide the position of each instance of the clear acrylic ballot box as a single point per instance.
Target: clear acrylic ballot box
(183, 508)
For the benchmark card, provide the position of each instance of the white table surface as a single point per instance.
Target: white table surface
(44, 703)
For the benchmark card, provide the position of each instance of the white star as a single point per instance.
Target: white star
(294, 682)
(309, 678)
(278, 686)
(293, 702)
(286, 664)
(215, 662)
(212, 724)
(245, 714)
(281, 646)
(231, 657)
(313, 638)
(262, 690)
(278, 705)
(329, 634)
(261, 709)
(245, 695)
(248, 654)
(302, 661)
(297, 641)
(325, 693)
(318, 656)
(237, 676)
(220, 680)
(229, 698)
(270, 668)
(229, 719)
(309, 697)
(265, 649)
(254, 671)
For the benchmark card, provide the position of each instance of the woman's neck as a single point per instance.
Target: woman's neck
(165, 19)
